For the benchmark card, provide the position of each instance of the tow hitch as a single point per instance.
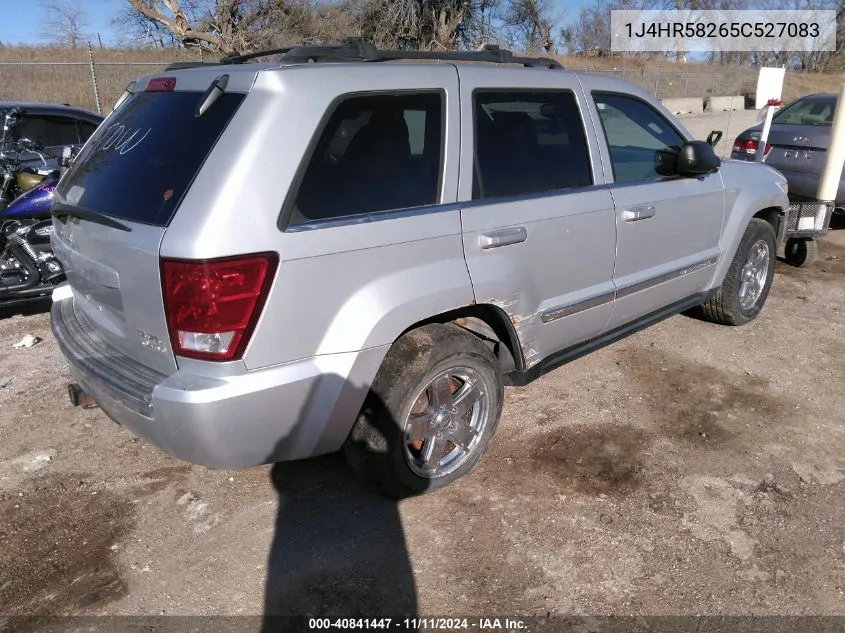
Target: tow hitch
(79, 398)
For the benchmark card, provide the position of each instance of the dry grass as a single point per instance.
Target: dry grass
(30, 81)
(670, 79)
(37, 75)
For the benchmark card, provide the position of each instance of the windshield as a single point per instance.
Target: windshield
(814, 111)
(140, 162)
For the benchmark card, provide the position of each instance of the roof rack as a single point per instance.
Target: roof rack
(356, 49)
(183, 65)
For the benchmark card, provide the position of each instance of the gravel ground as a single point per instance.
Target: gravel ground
(689, 469)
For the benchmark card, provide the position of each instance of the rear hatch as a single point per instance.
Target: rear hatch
(113, 206)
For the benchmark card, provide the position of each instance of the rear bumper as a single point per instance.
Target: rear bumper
(806, 185)
(290, 411)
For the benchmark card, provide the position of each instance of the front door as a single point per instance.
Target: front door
(668, 228)
(539, 237)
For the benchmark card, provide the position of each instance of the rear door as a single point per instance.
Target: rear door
(114, 206)
(539, 235)
(668, 227)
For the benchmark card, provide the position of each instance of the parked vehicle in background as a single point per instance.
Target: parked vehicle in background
(273, 261)
(50, 125)
(796, 147)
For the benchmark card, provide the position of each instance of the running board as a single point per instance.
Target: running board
(553, 361)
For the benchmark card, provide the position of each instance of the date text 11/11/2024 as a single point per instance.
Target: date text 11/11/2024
(418, 624)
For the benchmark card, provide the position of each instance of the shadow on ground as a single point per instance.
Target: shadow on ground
(26, 308)
(338, 548)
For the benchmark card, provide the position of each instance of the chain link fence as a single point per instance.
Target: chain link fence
(669, 83)
(96, 85)
(79, 84)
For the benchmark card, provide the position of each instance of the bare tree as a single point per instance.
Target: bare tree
(529, 25)
(135, 29)
(292, 22)
(241, 25)
(211, 23)
(429, 24)
(592, 30)
(65, 22)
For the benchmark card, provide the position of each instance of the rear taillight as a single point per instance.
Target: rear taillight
(749, 146)
(212, 305)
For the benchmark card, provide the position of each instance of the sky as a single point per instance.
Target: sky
(19, 23)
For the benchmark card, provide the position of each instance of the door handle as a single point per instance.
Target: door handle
(635, 214)
(503, 237)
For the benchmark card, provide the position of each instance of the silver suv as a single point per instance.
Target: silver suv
(270, 261)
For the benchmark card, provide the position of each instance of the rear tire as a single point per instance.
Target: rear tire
(801, 253)
(430, 414)
(746, 286)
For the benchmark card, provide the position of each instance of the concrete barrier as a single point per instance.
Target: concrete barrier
(686, 105)
(723, 104)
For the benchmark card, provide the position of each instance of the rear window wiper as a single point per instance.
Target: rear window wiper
(61, 210)
(217, 88)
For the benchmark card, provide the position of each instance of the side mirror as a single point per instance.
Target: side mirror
(28, 145)
(697, 158)
(11, 119)
(666, 161)
(714, 137)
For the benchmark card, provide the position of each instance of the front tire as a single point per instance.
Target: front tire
(430, 414)
(743, 293)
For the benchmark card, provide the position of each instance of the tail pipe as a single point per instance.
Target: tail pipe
(79, 398)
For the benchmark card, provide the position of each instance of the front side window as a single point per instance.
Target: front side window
(635, 132)
(528, 142)
(376, 153)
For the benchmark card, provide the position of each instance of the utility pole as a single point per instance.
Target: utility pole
(679, 55)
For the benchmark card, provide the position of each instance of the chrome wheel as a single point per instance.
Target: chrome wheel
(755, 274)
(446, 422)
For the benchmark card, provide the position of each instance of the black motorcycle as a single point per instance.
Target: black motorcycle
(28, 268)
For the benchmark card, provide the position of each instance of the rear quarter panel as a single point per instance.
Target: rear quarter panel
(343, 286)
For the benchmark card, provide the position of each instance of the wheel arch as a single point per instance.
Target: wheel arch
(771, 209)
(490, 323)
(776, 217)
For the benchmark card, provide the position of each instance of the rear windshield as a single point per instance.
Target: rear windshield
(817, 111)
(141, 161)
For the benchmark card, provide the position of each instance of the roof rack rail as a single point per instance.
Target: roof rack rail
(183, 65)
(356, 49)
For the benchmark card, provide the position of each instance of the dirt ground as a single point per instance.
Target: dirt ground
(689, 469)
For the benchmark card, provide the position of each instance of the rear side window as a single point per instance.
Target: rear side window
(375, 153)
(528, 142)
(141, 161)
